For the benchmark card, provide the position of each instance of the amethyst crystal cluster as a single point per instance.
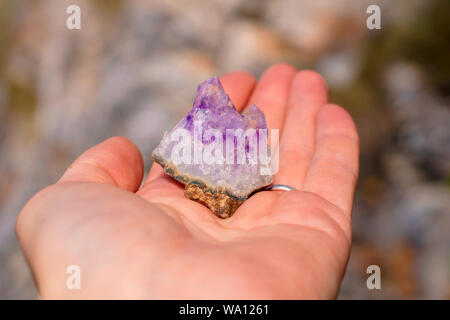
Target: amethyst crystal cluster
(219, 155)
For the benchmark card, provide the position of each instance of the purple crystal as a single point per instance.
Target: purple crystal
(217, 132)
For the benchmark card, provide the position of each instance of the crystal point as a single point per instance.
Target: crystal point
(213, 151)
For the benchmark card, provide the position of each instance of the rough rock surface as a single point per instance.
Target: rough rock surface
(223, 182)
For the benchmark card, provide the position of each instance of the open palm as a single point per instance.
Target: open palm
(149, 241)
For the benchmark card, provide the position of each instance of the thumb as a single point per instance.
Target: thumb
(116, 161)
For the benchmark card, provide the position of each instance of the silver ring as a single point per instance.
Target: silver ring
(274, 187)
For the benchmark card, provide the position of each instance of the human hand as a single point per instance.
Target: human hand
(152, 242)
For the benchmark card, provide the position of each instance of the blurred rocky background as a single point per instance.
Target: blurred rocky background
(133, 68)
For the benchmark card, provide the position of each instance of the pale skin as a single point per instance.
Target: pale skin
(146, 240)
